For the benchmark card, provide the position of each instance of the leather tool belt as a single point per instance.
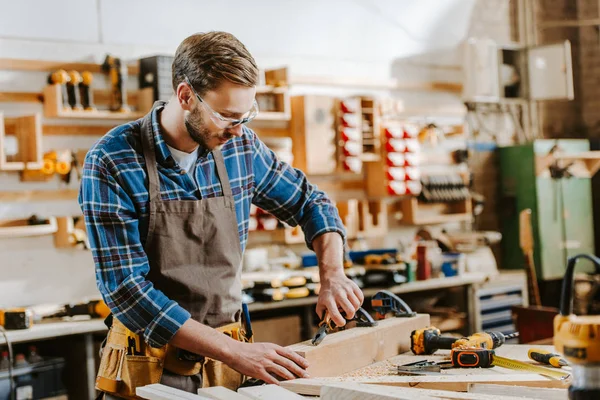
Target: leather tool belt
(127, 363)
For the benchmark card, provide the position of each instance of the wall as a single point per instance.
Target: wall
(337, 38)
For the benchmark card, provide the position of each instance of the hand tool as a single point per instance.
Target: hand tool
(85, 91)
(422, 367)
(60, 77)
(545, 357)
(486, 358)
(384, 302)
(362, 318)
(117, 72)
(429, 340)
(577, 338)
(73, 90)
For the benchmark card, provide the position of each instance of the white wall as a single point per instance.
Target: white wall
(359, 38)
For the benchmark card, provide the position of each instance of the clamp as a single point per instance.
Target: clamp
(362, 318)
(384, 302)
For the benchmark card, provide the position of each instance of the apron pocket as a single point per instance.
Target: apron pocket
(140, 371)
(215, 373)
(110, 369)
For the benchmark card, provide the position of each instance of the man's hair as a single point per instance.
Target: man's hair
(208, 59)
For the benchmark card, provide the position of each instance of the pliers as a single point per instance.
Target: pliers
(362, 318)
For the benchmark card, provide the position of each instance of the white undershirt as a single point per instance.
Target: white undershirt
(187, 161)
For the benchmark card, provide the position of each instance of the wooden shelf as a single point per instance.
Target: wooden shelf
(272, 116)
(53, 108)
(25, 196)
(584, 165)
(386, 84)
(28, 132)
(21, 228)
(15, 64)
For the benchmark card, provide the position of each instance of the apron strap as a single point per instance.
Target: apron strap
(222, 174)
(150, 157)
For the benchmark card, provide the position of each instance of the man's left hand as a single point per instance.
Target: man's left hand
(337, 293)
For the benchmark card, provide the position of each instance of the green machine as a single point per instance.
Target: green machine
(546, 177)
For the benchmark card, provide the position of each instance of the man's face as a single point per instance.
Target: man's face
(230, 101)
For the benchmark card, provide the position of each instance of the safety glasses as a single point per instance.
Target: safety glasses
(222, 121)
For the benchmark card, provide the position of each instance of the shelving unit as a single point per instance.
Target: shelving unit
(22, 228)
(416, 213)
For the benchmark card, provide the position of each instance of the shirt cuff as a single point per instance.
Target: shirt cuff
(164, 326)
(314, 229)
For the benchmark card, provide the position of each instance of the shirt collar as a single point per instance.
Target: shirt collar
(163, 154)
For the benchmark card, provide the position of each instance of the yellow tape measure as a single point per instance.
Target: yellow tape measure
(522, 366)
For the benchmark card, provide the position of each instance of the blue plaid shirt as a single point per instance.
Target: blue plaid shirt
(114, 199)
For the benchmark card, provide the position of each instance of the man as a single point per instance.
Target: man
(166, 201)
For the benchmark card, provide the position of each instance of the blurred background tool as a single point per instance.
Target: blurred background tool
(61, 77)
(16, 318)
(73, 94)
(85, 91)
(117, 74)
(577, 338)
(94, 309)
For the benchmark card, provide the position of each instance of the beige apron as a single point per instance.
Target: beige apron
(194, 253)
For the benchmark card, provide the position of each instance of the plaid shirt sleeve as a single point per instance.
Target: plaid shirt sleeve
(286, 193)
(121, 262)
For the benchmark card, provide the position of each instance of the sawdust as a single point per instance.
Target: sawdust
(372, 371)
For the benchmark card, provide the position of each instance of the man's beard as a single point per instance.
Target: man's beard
(199, 133)
(196, 129)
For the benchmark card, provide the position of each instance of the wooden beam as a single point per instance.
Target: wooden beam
(385, 84)
(358, 347)
(269, 392)
(76, 130)
(220, 393)
(356, 391)
(15, 64)
(569, 23)
(534, 393)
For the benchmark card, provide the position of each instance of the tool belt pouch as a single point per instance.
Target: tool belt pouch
(120, 373)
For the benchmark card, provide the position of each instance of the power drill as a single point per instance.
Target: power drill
(429, 340)
(94, 308)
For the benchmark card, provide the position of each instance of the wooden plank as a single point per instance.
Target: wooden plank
(76, 130)
(220, 393)
(569, 23)
(507, 390)
(15, 64)
(454, 383)
(269, 392)
(357, 391)
(358, 347)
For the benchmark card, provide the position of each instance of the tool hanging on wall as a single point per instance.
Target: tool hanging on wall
(117, 73)
(61, 77)
(85, 91)
(73, 94)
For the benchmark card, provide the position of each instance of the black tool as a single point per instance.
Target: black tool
(472, 358)
(362, 318)
(117, 72)
(384, 302)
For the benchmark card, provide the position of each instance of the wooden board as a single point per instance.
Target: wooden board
(269, 392)
(357, 391)
(452, 379)
(16, 64)
(220, 393)
(507, 390)
(163, 392)
(355, 348)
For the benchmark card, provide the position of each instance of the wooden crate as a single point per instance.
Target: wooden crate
(28, 131)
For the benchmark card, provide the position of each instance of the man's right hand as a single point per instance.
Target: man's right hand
(264, 361)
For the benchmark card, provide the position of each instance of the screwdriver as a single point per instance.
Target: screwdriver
(545, 357)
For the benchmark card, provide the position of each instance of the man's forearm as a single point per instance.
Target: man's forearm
(329, 248)
(204, 340)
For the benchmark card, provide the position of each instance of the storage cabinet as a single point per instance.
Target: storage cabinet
(562, 215)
